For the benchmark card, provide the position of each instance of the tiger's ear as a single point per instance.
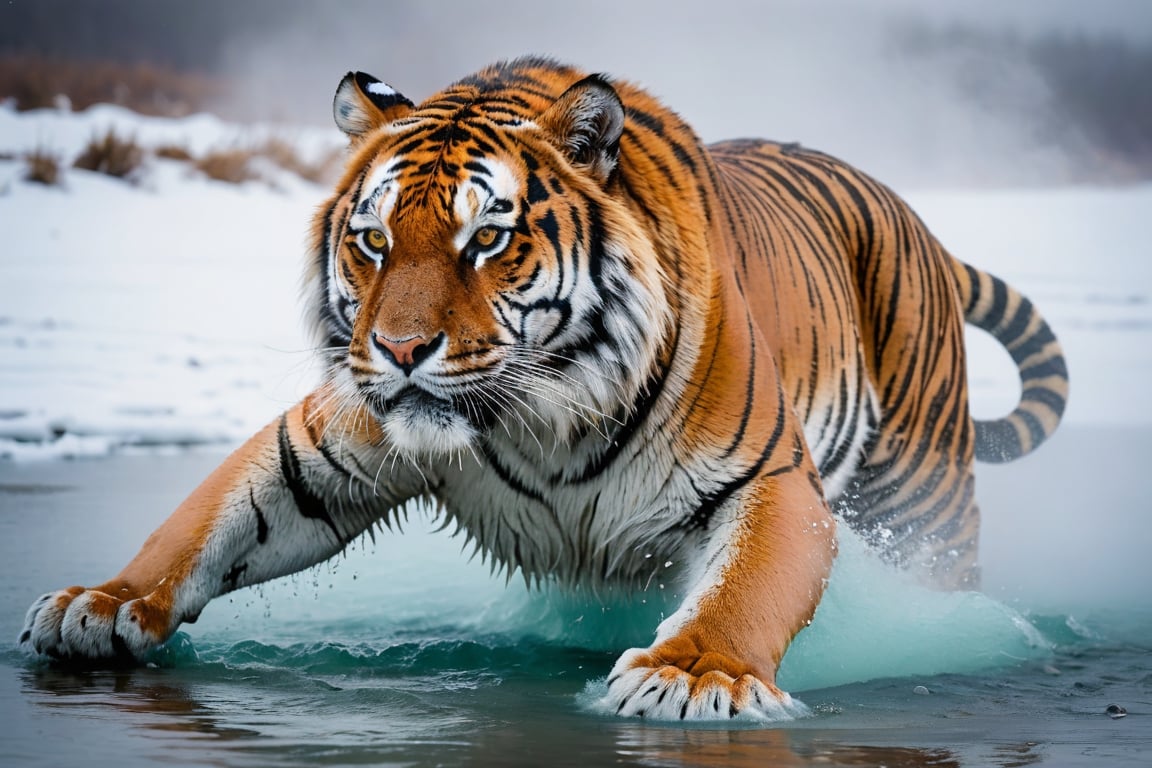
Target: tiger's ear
(585, 123)
(363, 103)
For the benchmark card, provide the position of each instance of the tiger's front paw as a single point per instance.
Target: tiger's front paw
(78, 624)
(644, 684)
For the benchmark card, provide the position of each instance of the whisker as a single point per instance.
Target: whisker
(505, 395)
(535, 386)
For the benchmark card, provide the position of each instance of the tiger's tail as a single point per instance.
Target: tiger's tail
(996, 307)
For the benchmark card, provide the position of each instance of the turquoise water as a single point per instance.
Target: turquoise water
(403, 652)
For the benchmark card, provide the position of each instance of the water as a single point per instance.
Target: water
(405, 653)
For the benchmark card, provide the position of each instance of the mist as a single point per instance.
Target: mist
(918, 94)
(845, 76)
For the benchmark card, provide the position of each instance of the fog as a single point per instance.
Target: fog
(869, 80)
(835, 75)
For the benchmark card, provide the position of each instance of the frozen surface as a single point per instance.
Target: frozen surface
(167, 312)
(158, 313)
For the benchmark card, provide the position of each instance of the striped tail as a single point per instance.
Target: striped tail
(994, 306)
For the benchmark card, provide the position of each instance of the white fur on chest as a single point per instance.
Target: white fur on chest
(612, 528)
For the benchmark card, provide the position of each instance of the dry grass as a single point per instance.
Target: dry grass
(237, 164)
(36, 82)
(231, 165)
(174, 152)
(284, 155)
(111, 155)
(43, 167)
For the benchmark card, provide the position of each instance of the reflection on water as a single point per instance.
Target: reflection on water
(383, 662)
(154, 701)
(756, 749)
(213, 714)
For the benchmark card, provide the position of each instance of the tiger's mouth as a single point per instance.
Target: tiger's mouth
(413, 396)
(418, 422)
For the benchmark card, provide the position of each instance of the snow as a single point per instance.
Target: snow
(167, 312)
(160, 313)
(67, 132)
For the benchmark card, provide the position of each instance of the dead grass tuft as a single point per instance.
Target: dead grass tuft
(174, 152)
(43, 167)
(239, 164)
(286, 156)
(111, 155)
(230, 165)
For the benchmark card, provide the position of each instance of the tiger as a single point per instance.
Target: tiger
(595, 344)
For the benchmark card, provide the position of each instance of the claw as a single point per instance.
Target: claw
(640, 688)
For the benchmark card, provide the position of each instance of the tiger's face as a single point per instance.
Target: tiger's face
(478, 273)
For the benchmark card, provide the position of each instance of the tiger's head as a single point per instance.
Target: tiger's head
(479, 267)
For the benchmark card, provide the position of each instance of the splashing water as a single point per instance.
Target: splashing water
(433, 606)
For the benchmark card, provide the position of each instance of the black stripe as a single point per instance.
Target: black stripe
(995, 315)
(1034, 344)
(1045, 396)
(1019, 323)
(536, 191)
(232, 578)
(704, 512)
(261, 521)
(308, 503)
(1053, 366)
(509, 479)
(653, 388)
(749, 392)
(973, 290)
(850, 422)
(913, 462)
(327, 454)
(1034, 426)
(997, 441)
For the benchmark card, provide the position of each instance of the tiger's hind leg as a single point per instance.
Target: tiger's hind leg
(929, 525)
(912, 495)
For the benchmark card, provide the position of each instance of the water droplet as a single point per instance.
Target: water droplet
(920, 691)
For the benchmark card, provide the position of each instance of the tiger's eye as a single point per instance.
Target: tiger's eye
(376, 239)
(485, 236)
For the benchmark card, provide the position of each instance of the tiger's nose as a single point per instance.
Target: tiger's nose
(407, 353)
